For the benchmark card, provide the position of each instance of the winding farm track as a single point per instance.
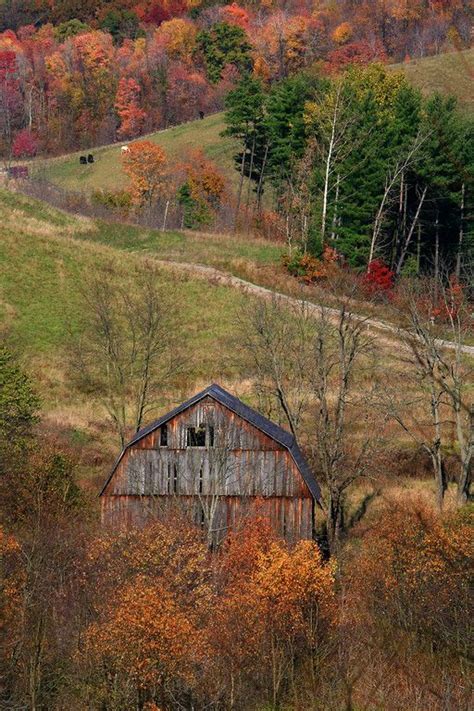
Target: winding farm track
(390, 331)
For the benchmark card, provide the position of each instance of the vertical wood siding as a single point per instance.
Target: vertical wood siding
(243, 465)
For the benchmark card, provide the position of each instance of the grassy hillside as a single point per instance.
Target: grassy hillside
(106, 173)
(451, 73)
(44, 256)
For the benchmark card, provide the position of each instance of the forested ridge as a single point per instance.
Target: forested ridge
(256, 194)
(78, 74)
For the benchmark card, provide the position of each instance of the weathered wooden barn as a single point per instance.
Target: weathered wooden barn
(219, 461)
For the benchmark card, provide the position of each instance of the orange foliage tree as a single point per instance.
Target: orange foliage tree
(407, 593)
(145, 164)
(277, 604)
(127, 105)
(203, 189)
(175, 624)
(150, 593)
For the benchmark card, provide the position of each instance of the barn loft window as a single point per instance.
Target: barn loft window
(164, 436)
(196, 436)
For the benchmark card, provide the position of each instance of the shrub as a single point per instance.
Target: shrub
(379, 279)
(309, 268)
(25, 144)
(120, 200)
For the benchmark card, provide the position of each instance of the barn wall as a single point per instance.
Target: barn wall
(244, 464)
(290, 517)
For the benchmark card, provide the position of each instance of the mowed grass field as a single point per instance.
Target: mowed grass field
(451, 73)
(106, 172)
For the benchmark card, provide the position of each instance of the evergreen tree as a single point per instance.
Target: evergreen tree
(245, 119)
(18, 410)
(285, 124)
(446, 170)
(224, 44)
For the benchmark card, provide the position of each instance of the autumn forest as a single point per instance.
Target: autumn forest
(276, 198)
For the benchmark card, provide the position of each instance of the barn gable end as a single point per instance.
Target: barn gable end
(213, 448)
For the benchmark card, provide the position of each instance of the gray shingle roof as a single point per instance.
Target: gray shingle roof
(247, 413)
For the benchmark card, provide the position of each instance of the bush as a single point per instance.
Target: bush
(379, 280)
(121, 200)
(309, 268)
(25, 144)
(408, 592)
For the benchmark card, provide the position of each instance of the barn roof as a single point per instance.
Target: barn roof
(277, 433)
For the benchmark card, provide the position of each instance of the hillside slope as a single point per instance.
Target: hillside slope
(44, 257)
(451, 73)
(106, 173)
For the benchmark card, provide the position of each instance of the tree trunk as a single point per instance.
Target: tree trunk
(165, 216)
(334, 522)
(241, 182)
(260, 182)
(466, 445)
(435, 451)
(461, 233)
(436, 264)
(327, 174)
(418, 250)
(336, 201)
(249, 186)
(410, 234)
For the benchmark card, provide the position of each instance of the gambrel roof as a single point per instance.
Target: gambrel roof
(275, 432)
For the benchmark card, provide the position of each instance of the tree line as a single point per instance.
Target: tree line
(361, 163)
(77, 74)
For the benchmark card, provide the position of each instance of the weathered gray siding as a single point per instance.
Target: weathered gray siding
(243, 466)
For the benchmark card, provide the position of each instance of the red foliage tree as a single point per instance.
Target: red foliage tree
(127, 105)
(356, 53)
(25, 144)
(10, 98)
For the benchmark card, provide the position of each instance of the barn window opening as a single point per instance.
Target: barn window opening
(211, 436)
(175, 479)
(164, 436)
(200, 480)
(196, 436)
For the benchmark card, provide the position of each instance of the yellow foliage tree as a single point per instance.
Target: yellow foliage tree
(178, 38)
(343, 33)
(145, 164)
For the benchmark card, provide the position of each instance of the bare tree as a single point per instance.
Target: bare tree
(278, 338)
(394, 177)
(128, 349)
(445, 372)
(306, 360)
